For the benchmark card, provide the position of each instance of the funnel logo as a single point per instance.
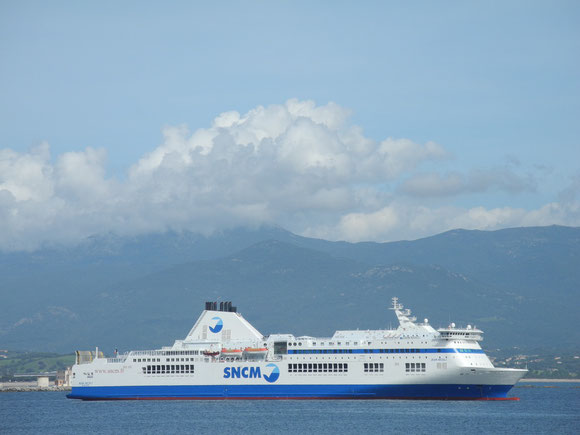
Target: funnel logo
(274, 374)
(218, 325)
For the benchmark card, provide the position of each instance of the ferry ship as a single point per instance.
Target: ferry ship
(225, 357)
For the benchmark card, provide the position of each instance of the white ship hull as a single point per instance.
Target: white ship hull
(412, 362)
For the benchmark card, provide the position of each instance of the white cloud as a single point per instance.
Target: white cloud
(297, 165)
(434, 184)
(25, 176)
(402, 221)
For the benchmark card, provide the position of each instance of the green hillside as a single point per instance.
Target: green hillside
(521, 286)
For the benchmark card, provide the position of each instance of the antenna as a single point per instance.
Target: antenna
(396, 304)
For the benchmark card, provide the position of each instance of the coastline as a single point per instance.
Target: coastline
(548, 380)
(17, 387)
(23, 386)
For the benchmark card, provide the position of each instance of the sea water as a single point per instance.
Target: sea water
(542, 408)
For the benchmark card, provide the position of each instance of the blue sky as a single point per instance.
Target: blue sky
(494, 84)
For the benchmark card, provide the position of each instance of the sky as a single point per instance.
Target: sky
(341, 120)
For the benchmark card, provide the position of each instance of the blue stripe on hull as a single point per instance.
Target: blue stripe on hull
(456, 392)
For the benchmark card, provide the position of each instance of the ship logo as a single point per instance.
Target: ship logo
(274, 374)
(218, 326)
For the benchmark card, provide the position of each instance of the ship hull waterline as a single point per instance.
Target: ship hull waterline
(290, 392)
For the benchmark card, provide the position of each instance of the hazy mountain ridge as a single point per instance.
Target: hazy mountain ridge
(520, 285)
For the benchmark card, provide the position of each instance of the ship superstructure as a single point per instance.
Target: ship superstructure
(225, 357)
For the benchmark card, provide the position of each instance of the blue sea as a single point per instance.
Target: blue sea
(544, 408)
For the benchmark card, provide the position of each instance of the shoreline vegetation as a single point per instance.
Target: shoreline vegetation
(534, 380)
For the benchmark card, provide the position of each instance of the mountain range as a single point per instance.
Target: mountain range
(520, 285)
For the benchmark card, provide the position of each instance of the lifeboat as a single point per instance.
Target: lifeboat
(232, 352)
(255, 353)
(211, 353)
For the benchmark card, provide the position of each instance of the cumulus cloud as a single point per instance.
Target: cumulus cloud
(298, 165)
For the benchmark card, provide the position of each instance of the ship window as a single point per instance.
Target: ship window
(407, 368)
(366, 368)
(280, 347)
